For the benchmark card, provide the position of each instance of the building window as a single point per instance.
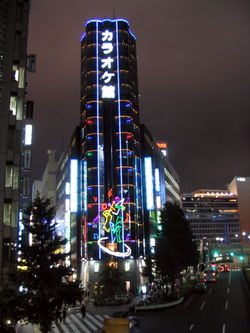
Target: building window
(7, 214)
(13, 104)
(28, 135)
(21, 81)
(127, 266)
(27, 159)
(26, 185)
(96, 267)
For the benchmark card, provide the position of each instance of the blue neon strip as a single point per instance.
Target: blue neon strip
(132, 34)
(82, 36)
(105, 20)
(119, 124)
(73, 185)
(98, 134)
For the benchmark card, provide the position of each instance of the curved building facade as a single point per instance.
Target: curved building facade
(110, 143)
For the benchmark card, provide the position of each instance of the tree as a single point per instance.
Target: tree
(175, 248)
(42, 276)
(110, 279)
(147, 269)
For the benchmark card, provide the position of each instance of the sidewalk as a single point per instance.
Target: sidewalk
(104, 310)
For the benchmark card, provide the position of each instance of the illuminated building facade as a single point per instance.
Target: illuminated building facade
(15, 129)
(68, 215)
(213, 215)
(240, 186)
(160, 184)
(111, 194)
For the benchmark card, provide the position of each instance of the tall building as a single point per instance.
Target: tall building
(214, 216)
(240, 186)
(15, 128)
(112, 204)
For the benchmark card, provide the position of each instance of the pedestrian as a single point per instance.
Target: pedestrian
(64, 314)
(83, 311)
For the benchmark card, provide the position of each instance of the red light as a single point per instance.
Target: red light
(129, 136)
(89, 122)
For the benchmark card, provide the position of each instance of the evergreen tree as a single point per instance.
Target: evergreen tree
(42, 276)
(147, 269)
(110, 279)
(176, 249)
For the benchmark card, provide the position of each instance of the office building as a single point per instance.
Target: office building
(15, 129)
(214, 216)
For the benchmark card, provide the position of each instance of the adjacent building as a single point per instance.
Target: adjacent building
(240, 186)
(15, 129)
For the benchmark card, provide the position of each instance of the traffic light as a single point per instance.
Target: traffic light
(215, 254)
(231, 254)
(241, 258)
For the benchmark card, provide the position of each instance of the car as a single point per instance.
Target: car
(209, 276)
(200, 287)
(224, 268)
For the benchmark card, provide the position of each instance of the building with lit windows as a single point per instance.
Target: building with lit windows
(68, 210)
(214, 216)
(15, 129)
(160, 184)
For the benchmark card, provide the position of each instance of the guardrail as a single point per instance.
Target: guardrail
(158, 306)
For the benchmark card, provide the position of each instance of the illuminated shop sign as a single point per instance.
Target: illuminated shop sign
(149, 183)
(73, 185)
(161, 145)
(107, 64)
(241, 179)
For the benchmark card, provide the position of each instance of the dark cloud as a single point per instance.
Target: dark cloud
(194, 79)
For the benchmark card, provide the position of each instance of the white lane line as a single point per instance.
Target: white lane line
(191, 327)
(210, 290)
(223, 328)
(226, 306)
(228, 290)
(202, 305)
(229, 277)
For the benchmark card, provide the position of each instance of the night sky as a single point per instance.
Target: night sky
(194, 80)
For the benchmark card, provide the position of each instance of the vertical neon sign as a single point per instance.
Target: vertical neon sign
(98, 127)
(149, 183)
(73, 185)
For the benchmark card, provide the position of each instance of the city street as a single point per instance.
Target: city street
(223, 309)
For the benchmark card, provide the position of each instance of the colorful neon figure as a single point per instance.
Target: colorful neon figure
(111, 223)
(113, 220)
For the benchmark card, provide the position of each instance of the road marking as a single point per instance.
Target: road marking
(191, 327)
(226, 306)
(202, 305)
(223, 328)
(229, 277)
(210, 290)
(228, 290)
